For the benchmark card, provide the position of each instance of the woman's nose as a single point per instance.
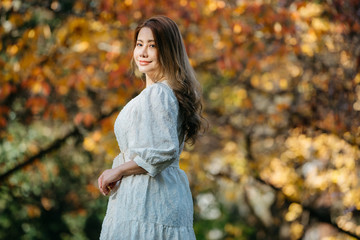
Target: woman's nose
(144, 52)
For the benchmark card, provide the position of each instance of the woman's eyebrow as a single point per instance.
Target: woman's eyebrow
(139, 40)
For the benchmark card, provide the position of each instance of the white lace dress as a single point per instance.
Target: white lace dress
(157, 205)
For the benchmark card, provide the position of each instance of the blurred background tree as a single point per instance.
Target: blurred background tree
(281, 84)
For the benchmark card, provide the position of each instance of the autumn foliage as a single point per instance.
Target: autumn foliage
(281, 91)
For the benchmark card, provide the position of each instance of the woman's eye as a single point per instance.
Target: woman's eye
(152, 45)
(139, 44)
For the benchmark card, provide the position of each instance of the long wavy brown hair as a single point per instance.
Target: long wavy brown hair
(176, 68)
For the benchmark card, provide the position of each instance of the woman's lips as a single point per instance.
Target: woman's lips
(143, 63)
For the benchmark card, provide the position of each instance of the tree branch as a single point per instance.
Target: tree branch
(54, 146)
(322, 215)
(203, 64)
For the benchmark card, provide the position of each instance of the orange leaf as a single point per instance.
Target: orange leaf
(2, 122)
(84, 102)
(36, 104)
(88, 119)
(33, 211)
(5, 90)
(78, 118)
(93, 190)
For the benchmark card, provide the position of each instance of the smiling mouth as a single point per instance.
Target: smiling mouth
(144, 62)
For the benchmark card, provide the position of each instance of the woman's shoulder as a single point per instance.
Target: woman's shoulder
(159, 91)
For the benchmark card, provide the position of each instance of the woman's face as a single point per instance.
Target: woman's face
(145, 53)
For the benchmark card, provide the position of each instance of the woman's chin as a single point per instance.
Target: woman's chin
(143, 70)
(147, 71)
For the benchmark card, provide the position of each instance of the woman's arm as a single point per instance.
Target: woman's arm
(109, 177)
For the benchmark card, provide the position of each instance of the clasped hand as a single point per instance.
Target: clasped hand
(107, 180)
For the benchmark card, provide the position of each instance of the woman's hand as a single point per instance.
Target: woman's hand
(108, 179)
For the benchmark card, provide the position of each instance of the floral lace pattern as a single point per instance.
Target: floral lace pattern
(157, 205)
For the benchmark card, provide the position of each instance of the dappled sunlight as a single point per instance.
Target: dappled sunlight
(281, 93)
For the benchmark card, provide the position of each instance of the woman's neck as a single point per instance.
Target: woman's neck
(150, 80)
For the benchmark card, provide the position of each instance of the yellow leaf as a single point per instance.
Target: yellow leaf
(81, 46)
(320, 24)
(310, 10)
(294, 212)
(307, 49)
(237, 28)
(12, 50)
(31, 33)
(296, 230)
(6, 4)
(357, 78)
(89, 144)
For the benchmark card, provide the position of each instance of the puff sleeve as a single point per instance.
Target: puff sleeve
(153, 140)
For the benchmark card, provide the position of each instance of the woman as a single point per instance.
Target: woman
(150, 196)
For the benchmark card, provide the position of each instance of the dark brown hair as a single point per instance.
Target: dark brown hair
(176, 68)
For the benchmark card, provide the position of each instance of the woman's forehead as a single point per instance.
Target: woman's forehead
(145, 34)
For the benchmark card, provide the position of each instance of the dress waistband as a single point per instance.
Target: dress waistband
(123, 157)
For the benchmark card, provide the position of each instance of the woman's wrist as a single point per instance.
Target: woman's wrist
(119, 171)
(129, 168)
